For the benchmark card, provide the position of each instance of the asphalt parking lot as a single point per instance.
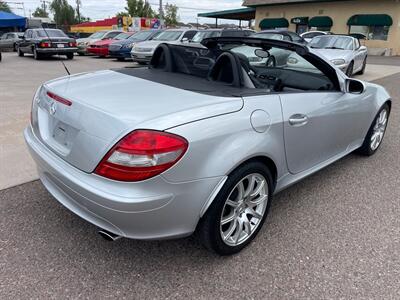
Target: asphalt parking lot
(334, 235)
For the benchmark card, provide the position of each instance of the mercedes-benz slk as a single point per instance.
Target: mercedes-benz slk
(200, 140)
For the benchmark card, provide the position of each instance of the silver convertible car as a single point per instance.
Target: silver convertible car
(199, 141)
(345, 52)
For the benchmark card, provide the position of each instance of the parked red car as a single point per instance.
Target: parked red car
(100, 48)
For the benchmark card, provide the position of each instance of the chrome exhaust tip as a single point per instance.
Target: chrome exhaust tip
(108, 236)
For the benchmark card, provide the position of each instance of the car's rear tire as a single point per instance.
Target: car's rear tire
(36, 55)
(376, 132)
(20, 53)
(70, 56)
(81, 54)
(363, 67)
(350, 68)
(15, 47)
(234, 218)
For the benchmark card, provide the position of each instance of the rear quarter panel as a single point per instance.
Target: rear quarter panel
(220, 144)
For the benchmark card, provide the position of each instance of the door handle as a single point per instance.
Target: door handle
(298, 120)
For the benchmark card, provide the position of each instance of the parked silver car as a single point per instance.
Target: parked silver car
(200, 140)
(10, 40)
(345, 52)
(142, 52)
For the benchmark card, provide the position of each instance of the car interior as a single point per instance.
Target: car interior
(224, 70)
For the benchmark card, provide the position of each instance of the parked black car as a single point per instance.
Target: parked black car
(283, 35)
(44, 42)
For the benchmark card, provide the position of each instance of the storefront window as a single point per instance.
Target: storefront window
(371, 32)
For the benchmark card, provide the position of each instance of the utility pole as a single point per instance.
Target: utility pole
(44, 7)
(161, 15)
(78, 4)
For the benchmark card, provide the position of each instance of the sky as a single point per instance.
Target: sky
(100, 9)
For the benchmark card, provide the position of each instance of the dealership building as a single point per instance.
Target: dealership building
(378, 21)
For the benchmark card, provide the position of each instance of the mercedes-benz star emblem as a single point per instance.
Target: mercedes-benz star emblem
(53, 108)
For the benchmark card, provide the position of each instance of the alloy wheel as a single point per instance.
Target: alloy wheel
(379, 130)
(349, 71)
(244, 209)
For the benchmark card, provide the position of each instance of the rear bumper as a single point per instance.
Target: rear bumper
(98, 51)
(56, 50)
(151, 209)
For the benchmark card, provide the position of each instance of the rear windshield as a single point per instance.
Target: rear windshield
(168, 36)
(50, 33)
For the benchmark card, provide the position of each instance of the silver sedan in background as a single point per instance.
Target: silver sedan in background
(10, 40)
(200, 140)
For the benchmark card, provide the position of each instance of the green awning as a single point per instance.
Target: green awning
(322, 21)
(370, 20)
(299, 20)
(271, 23)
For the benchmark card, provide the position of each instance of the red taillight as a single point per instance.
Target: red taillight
(72, 44)
(59, 99)
(142, 154)
(45, 45)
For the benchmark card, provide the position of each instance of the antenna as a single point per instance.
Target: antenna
(62, 62)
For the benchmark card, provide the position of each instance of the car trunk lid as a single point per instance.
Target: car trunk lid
(107, 105)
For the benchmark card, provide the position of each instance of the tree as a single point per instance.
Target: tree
(171, 15)
(64, 14)
(122, 14)
(139, 8)
(85, 19)
(4, 7)
(40, 12)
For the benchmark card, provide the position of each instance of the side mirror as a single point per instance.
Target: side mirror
(185, 40)
(354, 86)
(362, 48)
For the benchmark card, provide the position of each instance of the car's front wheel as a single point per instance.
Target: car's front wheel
(239, 210)
(350, 68)
(271, 62)
(376, 132)
(364, 66)
(70, 56)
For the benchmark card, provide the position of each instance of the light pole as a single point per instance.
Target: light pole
(161, 15)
